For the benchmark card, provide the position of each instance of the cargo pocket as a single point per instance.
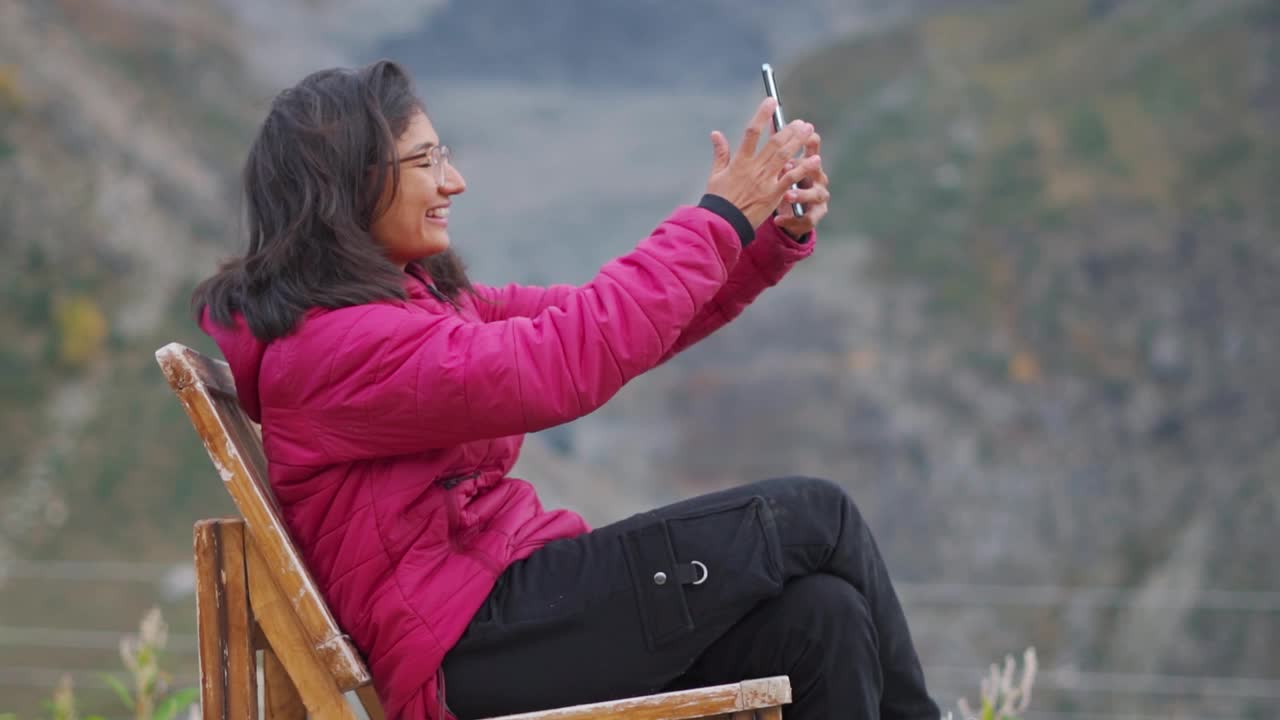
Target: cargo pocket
(652, 562)
(737, 541)
(707, 563)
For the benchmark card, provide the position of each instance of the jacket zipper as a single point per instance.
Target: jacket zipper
(454, 515)
(453, 481)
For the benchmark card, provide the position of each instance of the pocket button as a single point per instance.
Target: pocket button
(660, 578)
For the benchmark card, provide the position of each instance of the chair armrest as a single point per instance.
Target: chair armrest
(681, 705)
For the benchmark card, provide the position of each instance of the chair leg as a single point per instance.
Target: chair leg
(315, 685)
(279, 695)
(228, 663)
(372, 706)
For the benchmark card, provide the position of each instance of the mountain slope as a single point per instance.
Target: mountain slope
(1079, 198)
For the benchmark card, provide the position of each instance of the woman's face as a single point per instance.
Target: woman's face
(414, 223)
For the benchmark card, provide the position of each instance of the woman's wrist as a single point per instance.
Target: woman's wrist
(731, 214)
(802, 239)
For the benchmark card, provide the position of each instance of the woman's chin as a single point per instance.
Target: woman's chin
(436, 243)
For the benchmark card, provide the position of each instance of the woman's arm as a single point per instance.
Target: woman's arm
(400, 380)
(774, 252)
(514, 300)
(764, 263)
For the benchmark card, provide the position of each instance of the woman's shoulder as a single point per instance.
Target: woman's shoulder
(339, 329)
(329, 343)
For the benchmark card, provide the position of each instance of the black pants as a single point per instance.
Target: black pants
(787, 581)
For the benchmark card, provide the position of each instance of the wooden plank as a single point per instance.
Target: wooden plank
(279, 695)
(233, 441)
(318, 689)
(209, 601)
(771, 713)
(240, 658)
(372, 706)
(228, 667)
(682, 705)
(743, 715)
(770, 692)
(183, 367)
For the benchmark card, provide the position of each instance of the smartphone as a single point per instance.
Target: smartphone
(771, 89)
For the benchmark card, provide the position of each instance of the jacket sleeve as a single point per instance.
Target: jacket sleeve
(764, 263)
(515, 300)
(404, 381)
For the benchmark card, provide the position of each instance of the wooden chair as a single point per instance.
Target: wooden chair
(253, 593)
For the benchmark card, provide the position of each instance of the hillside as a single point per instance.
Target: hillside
(1075, 205)
(119, 132)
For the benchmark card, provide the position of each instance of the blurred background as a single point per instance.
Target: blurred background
(1037, 344)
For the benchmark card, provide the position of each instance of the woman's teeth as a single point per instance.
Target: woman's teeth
(438, 213)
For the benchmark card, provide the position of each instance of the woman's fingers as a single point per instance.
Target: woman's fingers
(755, 128)
(719, 151)
(815, 195)
(788, 142)
(813, 144)
(801, 171)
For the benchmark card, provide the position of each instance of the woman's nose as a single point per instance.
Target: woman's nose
(454, 183)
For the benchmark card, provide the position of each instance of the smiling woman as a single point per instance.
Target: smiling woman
(333, 168)
(412, 222)
(394, 394)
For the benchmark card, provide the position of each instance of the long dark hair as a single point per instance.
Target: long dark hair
(312, 182)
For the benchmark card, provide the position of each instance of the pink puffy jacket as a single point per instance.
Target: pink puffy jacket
(389, 428)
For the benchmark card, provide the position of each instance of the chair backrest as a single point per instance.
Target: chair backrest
(234, 443)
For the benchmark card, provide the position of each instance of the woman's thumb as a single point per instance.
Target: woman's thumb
(720, 146)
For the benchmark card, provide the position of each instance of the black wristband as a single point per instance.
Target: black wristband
(732, 214)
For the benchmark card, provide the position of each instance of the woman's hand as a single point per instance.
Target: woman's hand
(814, 193)
(755, 180)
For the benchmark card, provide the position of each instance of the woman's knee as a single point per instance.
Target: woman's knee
(803, 491)
(822, 619)
(829, 602)
(833, 649)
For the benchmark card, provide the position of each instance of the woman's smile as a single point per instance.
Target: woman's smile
(439, 216)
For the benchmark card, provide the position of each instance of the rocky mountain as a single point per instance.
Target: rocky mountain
(1069, 212)
(119, 129)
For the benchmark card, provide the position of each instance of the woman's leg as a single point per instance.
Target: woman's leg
(819, 632)
(629, 608)
(821, 530)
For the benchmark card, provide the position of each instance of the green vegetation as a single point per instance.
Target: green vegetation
(983, 152)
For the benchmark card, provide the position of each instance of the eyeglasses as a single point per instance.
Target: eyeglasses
(435, 157)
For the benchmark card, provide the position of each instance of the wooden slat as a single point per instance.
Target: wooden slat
(770, 713)
(209, 601)
(207, 391)
(279, 695)
(228, 667)
(372, 706)
(184, 366)
(311, 676)
(682, 705)
(765, 693)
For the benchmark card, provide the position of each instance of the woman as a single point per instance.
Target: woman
(393, 396)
